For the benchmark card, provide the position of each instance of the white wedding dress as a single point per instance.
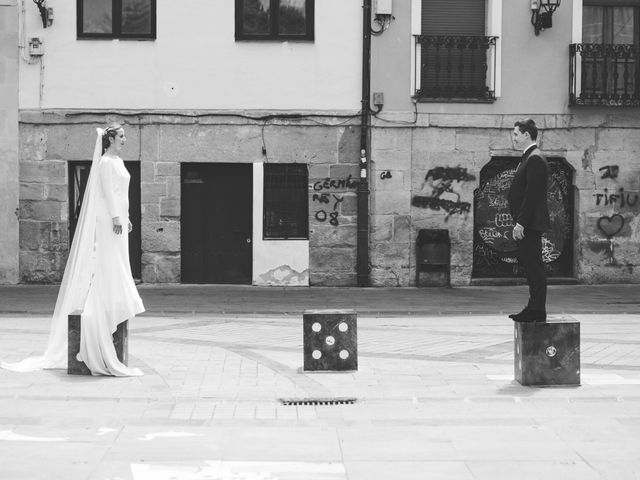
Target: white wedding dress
(97, 280)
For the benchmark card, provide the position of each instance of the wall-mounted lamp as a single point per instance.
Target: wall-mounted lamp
(541, 13)
(46, 13)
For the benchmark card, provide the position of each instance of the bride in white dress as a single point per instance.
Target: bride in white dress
(97, 280)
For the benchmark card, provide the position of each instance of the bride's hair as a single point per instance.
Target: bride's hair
(110, 131)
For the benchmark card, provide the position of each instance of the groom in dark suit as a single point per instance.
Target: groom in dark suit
(528, 204)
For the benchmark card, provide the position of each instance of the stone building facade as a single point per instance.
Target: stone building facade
(436, 166)
(601, 152)
(444, 164)
(602, 155)
(160, 144)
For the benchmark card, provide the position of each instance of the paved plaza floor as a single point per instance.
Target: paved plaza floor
(435, 396)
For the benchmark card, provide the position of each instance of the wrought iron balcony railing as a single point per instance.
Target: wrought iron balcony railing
(607, 75)
(455, 68)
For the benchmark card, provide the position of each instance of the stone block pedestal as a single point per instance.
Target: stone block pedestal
(547, 353)
(120, 342)
(330, 340)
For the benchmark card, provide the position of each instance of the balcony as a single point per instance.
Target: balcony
(604, 75)
(455, 68)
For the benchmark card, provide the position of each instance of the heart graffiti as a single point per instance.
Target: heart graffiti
(612, 225)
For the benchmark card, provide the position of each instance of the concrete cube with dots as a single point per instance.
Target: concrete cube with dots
(330, 340)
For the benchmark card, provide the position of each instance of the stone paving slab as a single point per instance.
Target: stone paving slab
(435, 399)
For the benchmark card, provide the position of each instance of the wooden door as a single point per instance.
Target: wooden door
(216, 223)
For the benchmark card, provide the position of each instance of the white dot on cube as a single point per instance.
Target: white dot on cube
(316, 327)
(330, 340)
(316, 354)
(344, 354)
(343, 327)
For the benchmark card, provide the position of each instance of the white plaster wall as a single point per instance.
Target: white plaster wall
(275, 262)
(533, 70)
(195, 63)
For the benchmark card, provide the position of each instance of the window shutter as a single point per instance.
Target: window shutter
(453, 17)
(453, 58)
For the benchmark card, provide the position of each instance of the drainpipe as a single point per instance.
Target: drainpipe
(362, 246)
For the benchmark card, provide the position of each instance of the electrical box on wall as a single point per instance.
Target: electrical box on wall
(378, 99)
(36, 47)
(383, 7)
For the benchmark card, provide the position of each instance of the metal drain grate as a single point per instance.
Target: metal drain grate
(318, 401)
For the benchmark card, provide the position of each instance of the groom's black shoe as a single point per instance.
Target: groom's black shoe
(516, 316)
(530, 316)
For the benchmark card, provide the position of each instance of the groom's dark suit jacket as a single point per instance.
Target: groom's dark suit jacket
(528, 193)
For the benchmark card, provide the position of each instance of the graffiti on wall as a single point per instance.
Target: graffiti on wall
(334, 184)
(615, 200)
(609, 171)
(621, 199)
(330, 211)
(495, 250)
(329, 199)
(611, 225)
(440, 191)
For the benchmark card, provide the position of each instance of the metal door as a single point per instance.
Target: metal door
(494, 250)
(216, 223)
(78, 176)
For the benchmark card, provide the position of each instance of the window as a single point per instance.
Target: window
(609, 73)
(286, 201)
(274, 19)
(455, 56)
(610, 22)
(134, 19)
(611, 25)
(78, 176)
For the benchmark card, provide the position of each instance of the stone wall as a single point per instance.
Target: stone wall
(9, 188)
(609, 200)
(604, 151)
(391, 219)
(422, 176)
(45, 149)
(333, 212)
(160, 197)
(161, 143)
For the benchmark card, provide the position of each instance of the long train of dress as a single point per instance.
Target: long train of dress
(97, 280)
(112, 299)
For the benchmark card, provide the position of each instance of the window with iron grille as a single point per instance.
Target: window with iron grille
(125, 19)
(455, 56)
(286, 201)
(607, 62)
(274, 19)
